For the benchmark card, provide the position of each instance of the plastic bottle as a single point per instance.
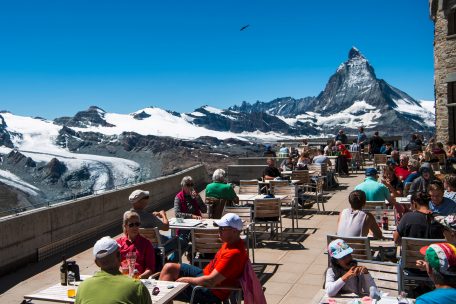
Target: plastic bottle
(63, 271)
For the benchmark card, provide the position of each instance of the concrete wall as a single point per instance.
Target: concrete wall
(22, 235)
(238, 172)
(258, 160)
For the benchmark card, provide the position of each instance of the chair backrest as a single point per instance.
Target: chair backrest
(384, 275)
(380, 159)
(205, 241)
(152, 234)
(360, 245)
(267, 208)
(301, 175)
(245, 213)
(290, 191)
(216, 206)
(390, 213)
(411, 250)
(320, 169)
(248, 187)
(278, 183)
(356, 156)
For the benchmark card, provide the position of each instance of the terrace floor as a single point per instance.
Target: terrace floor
(293, 272)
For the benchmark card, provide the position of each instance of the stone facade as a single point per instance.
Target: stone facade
(445, 67)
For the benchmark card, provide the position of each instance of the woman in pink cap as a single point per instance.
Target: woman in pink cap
(343, 274)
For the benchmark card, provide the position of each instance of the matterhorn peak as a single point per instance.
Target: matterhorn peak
(354, 52)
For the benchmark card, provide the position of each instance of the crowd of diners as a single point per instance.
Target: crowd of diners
(432, 215)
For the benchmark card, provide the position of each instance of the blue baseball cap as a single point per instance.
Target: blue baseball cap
(338, 249)
(371, 172)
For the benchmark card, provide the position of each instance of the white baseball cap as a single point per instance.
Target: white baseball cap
(137, 195)
(104, 246)
(230, 220)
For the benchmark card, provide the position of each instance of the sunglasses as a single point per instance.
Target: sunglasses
(189, 185)
(131, 225)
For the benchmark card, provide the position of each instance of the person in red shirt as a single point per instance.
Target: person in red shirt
(402, 171)
(132, 241)
(225, 269)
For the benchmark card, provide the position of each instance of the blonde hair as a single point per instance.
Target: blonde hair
(127, 216)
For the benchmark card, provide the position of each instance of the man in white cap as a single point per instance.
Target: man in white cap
(109, 285)
(224, 270)
(139, 200)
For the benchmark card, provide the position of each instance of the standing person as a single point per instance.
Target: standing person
(268, 152)
(356, 222)
(133, 242)
(414, 145)
(283, 151)
(419, 223)
(109, 285)
(343, 160)
(375, 143)
(439, 204)
(387, 149)
(224, 270)
(271, 172)
(341, 137)
(343, 274)
(440, 263)
(361, 138)
(449, 183)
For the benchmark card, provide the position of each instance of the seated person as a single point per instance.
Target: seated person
(321, 158)
(449, 182)
(440, 263)
(283, 151)
(224, 270)
(109, 285)
(392, 182)
(387, 148)
(221, 190)
(303, 161)
(402, 171)
(132, 241)
(449, 226)
(271, 172)
(419, 223)
(343, 274)
(413, 167)
(439, 204)
(268, 152)
(356, 222)
(287, 164)
(421, 183)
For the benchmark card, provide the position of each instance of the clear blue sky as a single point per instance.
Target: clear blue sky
(58, 57)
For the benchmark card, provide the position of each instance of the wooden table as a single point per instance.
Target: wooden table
(321, 298)
(58, 293)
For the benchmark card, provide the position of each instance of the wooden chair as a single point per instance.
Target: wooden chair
(314, 193)
(245, 213)
(249, 187)
(380, 160)
(385, 275)
(289, 203)
(360, 245)
(410, 253)
(301, 175)
(267, 212)
(373, 204)
(206, 242)
(216, 206)
(153, 235)
(320, 169)
(356, 161)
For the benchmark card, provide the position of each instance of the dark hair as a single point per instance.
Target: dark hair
(436, 185)
(357, 199)
(376, 133)
(422, 199)
(444, 279)
(450, 179)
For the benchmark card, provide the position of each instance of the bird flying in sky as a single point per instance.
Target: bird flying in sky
(244, 27)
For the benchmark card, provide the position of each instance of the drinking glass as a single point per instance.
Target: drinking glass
(71, 291)
(131, 260)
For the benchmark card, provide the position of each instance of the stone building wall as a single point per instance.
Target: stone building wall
(444, 64)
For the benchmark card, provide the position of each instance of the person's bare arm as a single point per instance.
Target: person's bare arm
(396, 237)
(211, 280)
(372, 224)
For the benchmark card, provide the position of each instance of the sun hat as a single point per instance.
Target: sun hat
(230, 220)
(104, 246)
(371, 172)
(440, 256)
(137, 195)
(338, 249)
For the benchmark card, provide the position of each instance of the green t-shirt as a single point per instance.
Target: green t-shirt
(220, 190)
(104, 287)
